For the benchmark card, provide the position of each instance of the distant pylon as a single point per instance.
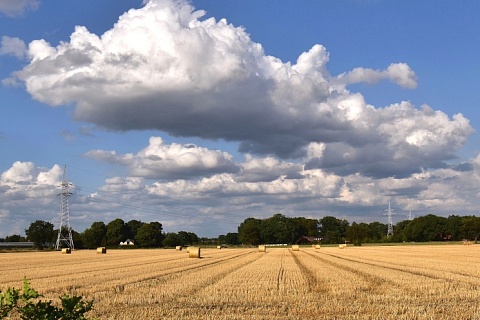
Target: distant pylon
(410, 216)
(64, 230)
(389, 213)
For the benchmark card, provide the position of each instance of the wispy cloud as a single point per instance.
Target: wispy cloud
(13, 8)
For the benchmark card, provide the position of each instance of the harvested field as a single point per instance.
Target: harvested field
(404, 282)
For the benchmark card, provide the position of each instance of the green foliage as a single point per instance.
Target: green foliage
(117, 231)
(187, 238)
(14, 238)
(231, 238)
(41, 233)
(249, 231)
(171, 240)
(28, 307)
(333, 230)
(94, 236)
(150, 235)
(277, 229)
(133, 227)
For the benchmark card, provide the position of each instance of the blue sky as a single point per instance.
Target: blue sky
(172, 114)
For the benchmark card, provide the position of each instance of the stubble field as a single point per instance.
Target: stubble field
(404, 282)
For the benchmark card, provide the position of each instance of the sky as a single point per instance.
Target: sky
(200, 114)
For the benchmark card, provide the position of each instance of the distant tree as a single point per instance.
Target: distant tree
(332, 230)
(41, 233)
(94, 236)
(357, 233)
(305, 227)
(249, 232)
(377, 231)
(231, 238)
(117, 232)
(277, 229)
(426, 228)
(187, 238)
(171, 240)
(150, 235)
(470, 228)
(14, 238)
(77, 240)
(399, 231)
(133, 227)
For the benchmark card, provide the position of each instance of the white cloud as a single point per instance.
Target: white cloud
(13, 46)
(165, 67)
(13, 8)
(161, 161)
(399, 73)
(28, 193)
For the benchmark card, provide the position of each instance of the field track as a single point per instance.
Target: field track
(404, 282)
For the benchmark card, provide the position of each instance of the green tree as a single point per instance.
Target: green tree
(117, 231)
(333, 230)
(95, 236)
(133, 227)
(249, 232)
(357, 233)
(231, 238)
(377, 231)
(305, 227)
(426, 228)
(14, 238)
(41, 233)
(150, 235)
(470, 228)
(77, 240)
(171, 240)
(187, 238)
(399, 231)
(277, 229)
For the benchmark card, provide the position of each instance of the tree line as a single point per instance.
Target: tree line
(253, 231)
(331, 230)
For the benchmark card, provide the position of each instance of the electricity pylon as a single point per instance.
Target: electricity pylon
(389, 213)
(64, 230)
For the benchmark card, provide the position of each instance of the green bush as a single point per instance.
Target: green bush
(27, 305)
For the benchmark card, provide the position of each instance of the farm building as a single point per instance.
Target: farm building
(127, 242)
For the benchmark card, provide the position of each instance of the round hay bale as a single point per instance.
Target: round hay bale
(342, 246)
(262, 248)
(101, 250)
(66, 251)
(295, 247)
(178, 248)
(194, 252)
(219, 247)
(188, 250)
(317, 246)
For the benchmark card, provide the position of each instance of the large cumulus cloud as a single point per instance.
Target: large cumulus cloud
(164, 67)
(175, 161)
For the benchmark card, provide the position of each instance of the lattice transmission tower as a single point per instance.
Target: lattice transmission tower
(389, 213)
(64, 230)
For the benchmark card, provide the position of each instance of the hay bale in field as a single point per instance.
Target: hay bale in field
(178, 248)
(262, 248)
(188, 250)
(342, 246)
(101, 250)
(66, 251)
(317, 246)
(295, 247)
(219, 247)
(194, 252)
